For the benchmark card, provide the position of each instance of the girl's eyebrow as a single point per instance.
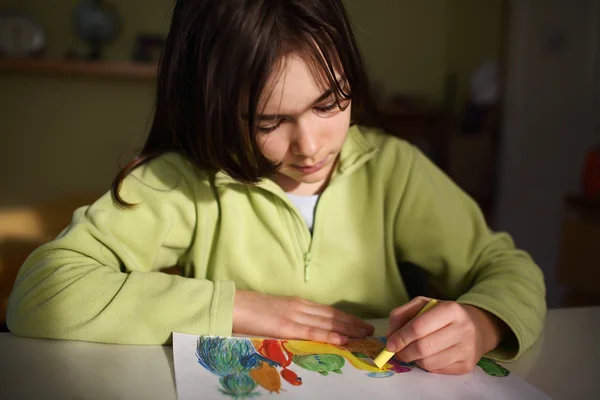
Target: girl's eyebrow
(273, 117)
(276, 117)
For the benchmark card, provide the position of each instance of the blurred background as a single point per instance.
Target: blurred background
(501, 94)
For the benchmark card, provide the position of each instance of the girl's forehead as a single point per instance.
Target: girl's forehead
(295, 79)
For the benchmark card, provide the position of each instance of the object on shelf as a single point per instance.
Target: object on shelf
(21, 36)
(98, 24)
(484, 88)
(416, 120)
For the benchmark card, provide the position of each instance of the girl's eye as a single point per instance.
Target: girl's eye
(268, 129)
(327, 108)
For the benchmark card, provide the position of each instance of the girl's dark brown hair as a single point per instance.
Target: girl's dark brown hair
(216, 62)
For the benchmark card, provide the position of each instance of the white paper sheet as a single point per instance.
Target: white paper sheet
(216, 368)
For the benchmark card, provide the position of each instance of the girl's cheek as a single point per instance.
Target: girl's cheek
(272, 149)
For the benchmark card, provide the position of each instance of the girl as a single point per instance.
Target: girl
(287, 219)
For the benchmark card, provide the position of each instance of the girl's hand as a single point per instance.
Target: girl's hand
(450, 338)
(293, 318)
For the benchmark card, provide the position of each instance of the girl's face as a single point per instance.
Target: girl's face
(301, 127)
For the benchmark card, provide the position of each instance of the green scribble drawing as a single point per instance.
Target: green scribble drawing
(492, 368)
(321, 363)
(238, 386)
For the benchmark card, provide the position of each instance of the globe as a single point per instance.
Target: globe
(97, 24)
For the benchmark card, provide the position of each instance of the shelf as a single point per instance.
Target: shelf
(78, 68)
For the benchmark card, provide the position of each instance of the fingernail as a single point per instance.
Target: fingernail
(390, 347)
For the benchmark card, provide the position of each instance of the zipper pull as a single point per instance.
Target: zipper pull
(307, 259)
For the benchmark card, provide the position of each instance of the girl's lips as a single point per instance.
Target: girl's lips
(311, 169)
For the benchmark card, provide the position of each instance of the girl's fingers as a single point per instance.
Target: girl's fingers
(442, 360)
(419, 327)
(334, 325)
(401, 315)
(295, 330)
(431, 344)
(334, 314)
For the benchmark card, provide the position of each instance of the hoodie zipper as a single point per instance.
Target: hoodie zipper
(304, 239)
(302, 231)
(307, 241)
(307, 260)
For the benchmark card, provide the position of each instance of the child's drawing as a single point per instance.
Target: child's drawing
(211, 367)
(246, 368)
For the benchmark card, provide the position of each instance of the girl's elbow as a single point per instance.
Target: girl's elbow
(31, 316)
(20, 320)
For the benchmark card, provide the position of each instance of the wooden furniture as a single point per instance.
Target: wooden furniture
(418, 122)
(579, 253)
(562, 363)
(75, 68)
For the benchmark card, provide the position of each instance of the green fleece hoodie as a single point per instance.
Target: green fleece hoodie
(386, 203)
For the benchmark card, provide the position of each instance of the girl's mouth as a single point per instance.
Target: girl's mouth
(310, 169)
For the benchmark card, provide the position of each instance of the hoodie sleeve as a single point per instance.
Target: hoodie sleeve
(99, 280)
(441, 229)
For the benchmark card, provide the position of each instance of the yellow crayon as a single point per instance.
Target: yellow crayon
(385, 355)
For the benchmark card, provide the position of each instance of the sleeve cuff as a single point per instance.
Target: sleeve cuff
(221, 310)
(513, 345)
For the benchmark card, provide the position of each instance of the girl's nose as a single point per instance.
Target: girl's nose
(306, 142)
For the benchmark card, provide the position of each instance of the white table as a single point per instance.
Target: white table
(563, 364)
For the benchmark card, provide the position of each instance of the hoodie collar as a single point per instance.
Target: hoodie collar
(355, 152)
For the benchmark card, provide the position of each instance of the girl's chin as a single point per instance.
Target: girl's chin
(315, 177)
